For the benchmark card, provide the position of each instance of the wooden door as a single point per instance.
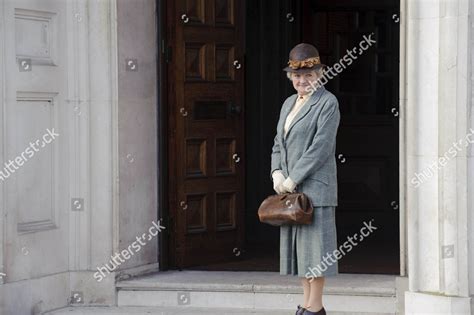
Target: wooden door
(206, 150)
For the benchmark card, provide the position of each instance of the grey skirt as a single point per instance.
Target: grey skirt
(307, 250)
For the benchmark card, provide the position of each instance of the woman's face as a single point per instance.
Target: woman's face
(302, 82)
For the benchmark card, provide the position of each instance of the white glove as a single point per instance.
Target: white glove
(288, 186)
(278, 179)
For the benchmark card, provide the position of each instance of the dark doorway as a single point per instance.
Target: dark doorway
(367, 143)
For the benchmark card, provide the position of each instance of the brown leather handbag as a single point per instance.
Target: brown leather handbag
(285, 209)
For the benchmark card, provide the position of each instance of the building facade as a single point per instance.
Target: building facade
(91, 70)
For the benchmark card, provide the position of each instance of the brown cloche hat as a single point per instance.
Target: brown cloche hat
(303, 58)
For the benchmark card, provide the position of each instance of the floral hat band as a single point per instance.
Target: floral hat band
(303, 58)
(307, 63)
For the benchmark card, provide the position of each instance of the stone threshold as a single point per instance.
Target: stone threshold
(259, 282)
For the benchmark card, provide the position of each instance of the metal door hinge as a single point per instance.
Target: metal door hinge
(169, 223)
(167, 51)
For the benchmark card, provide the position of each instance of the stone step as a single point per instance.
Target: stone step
(259, 291)
(126, 310)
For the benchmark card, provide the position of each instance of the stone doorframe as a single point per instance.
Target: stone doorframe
(435, 112)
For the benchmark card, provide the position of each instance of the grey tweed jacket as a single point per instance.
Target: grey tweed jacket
(307, 153)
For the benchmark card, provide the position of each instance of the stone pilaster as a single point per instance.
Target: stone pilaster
(437, 131)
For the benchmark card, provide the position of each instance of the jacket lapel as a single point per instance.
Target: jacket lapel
(303, 111)
(286, 110)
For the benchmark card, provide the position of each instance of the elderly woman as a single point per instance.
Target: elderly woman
(303, 160)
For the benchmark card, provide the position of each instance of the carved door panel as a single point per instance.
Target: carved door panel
(206, 125)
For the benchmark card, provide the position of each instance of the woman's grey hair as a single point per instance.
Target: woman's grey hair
(319, 73)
